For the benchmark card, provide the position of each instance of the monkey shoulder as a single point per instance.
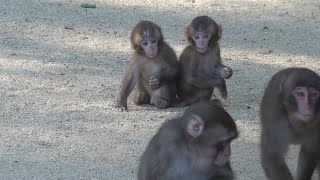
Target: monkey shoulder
(138, 59)
(187, 54)
(168, 49)
(186, 61)
(163, 144)
(168, 55)
(171, 130)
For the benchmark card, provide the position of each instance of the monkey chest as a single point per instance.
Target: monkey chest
(306, 137)
(153, 69)
(206, 64)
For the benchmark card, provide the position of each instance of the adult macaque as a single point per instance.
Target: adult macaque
(153, 69)
(195, 146)
(200, 64)
(290, 114)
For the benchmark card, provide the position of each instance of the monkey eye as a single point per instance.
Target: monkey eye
(196, 36)
(144, 43)
(299, 94)
(206, 36)
(154, 41)
(314, 93)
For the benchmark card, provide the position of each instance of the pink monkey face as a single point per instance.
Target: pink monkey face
(150, 47)
(201, 40)
(306, 98)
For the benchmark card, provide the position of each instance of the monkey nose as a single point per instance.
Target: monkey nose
(202, 44)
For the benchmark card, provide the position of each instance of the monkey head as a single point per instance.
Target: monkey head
(146, 39)
(301, 98)
(210, 129)
(203, 32)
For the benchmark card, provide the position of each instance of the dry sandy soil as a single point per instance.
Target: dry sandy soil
(61, 67)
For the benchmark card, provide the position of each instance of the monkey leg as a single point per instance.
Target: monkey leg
(203, 94)
(306, 163)
(162, 97)
(191, 95)
(141, 98)
(188, 101)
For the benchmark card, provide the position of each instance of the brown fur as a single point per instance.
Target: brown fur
(163, 67)
(280, 129)
(200, 73)
(179, 152)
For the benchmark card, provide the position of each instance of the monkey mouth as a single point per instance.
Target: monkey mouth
(202, 50)
(305, 118)
(151, 55)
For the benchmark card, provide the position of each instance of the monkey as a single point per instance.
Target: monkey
(200, 64)
(153, 69)
(290, 114)
(194, 146)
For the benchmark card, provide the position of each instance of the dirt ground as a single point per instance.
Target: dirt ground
(61, 66)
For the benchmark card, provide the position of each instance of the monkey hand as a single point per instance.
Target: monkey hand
(226, 72)
(121, 107)
(223, 91)
(154, 82)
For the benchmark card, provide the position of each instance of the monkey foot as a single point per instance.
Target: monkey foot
(141, 98)
(159, 102)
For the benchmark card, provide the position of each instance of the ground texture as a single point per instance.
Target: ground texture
(61, 66)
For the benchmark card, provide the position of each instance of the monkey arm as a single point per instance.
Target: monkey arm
(225, 71)
(218, 68)
(169, 57)
(203, 80)
(275, 166)
(307, 162)
(224, 173)
(168, 74)
(274, 144)
(207, 82)
(128, 83)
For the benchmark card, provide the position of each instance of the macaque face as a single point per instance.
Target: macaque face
(306, 99)
(149, 45)
(201, 39)
(290, 114)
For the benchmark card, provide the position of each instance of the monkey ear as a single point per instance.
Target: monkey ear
(195, 126)
(219, 31)
(281, 87)
(186, 31)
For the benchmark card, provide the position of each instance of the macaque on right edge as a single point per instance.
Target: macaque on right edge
(195, 146)
(200, 64)
(290, 114)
